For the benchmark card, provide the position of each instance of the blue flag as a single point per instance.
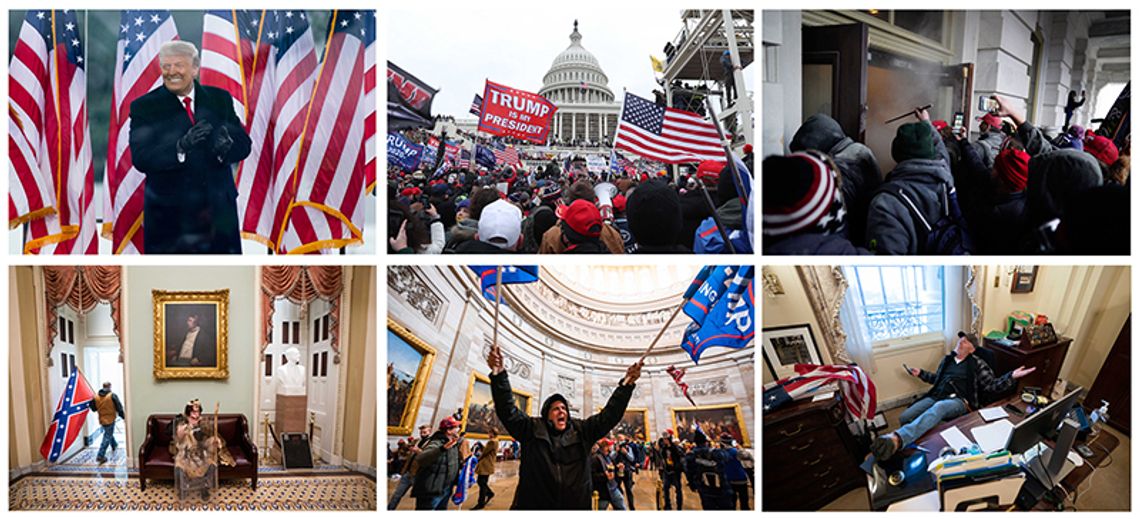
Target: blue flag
(403, 153)
(484, 156)
(511, 274)
(722, 310)
(466, 479)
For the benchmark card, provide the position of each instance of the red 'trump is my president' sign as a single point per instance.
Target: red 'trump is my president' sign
(514, 113)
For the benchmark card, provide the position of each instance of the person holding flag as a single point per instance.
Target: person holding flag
(439, 465)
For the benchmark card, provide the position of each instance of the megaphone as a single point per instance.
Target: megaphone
(605, 192)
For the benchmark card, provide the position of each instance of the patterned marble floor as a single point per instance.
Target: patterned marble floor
(317, 492)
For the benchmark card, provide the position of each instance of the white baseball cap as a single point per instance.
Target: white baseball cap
(500, 224)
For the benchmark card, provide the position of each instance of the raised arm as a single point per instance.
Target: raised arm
(598, 425)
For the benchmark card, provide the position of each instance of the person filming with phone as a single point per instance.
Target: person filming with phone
(960, 377)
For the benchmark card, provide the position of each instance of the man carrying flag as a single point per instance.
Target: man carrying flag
(70, 415)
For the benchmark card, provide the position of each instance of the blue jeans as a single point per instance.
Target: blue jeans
(402, 487)
(616, 498)
(108, 440)
(925, 414)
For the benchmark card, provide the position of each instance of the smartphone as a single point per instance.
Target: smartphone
(959, 120)
(986, 104)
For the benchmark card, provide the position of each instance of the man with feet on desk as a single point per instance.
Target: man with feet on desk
(959, 378)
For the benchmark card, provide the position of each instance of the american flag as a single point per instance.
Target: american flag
(51, 176)
(678, 374)
(141, 33)
(505, 154)
(326, 189)
(477, 105)
(70, 414)
(464, 159)
(278, 67)
(857, 388)
(666, 134)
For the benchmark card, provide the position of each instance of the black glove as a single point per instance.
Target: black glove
(222, 142)
(195, 136)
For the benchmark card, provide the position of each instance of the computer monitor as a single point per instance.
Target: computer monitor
(1041, 424)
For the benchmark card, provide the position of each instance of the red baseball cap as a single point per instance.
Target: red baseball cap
(939, 124)
(448, 423)
(991, 119)
(709, 171)
(1102, 148)
(584, 218)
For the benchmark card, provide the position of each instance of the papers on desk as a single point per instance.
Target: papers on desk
(990, 414)
(955, 439)
(823, 396)
(992, 437)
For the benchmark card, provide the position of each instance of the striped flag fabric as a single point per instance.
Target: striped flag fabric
(370, 112)
(141, 34)
(325, 190)
(278, 66)
(507, 155)
(857, 388)
(476, 105)
(666, 134)
(51, 175)
(70, 414)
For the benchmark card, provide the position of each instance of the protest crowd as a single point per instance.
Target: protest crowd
(1015, 189)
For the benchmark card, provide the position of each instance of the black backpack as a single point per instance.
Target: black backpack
(709, 470)
(947, 235)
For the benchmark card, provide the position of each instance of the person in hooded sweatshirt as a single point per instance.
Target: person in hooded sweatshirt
(990, 138)
(915, 194)
(803, 208)
(554, 452)
(860, 171)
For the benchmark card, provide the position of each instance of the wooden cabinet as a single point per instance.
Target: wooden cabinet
(809, 457)
(1047, 358)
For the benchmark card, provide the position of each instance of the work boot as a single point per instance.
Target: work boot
(884, 447)
(101, 459)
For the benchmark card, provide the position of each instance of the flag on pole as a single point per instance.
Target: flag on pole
(226, 59)
(326, 187)
(678, 374)
(409, 100)
(51, 176)
(484, 156)
(476, 105)
(511, 274)
(137, 72)
(657, 65)
(507, 155)
(721, 310)
(70, 414)
(666, 134)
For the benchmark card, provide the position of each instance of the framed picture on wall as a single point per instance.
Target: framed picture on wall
(479, 417)
(633, 424)
(190, 334)
(786, 346)
(409, 366)
(714, 421)
(1024, 279)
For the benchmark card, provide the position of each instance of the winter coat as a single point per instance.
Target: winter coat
(694, 209)
(997, 220)
(988, 145)
(812, 244)
(486, 464)
(857, 165)
(438, 467)
(554, 469)
(463, 231)
(552, 241)
(891, 226)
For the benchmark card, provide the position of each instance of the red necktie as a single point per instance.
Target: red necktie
(186, 101)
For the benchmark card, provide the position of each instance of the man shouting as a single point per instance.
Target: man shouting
(554, 466)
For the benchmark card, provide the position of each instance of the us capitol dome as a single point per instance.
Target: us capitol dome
(576, 83)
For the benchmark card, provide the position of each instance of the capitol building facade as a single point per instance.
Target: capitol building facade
(587, 109)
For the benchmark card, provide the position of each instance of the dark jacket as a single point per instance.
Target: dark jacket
(694, 210)
(479, 247)
(981, 374)
(997, 219)
(857, 164)
(892, 227)
(554, 470)
(988, 145)
(812, 244)
(438, 467)
(672, 459)
(189, 206)
(706, 460)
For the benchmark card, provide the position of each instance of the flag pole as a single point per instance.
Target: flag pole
(662, 331)
(727, 151)
(716, 219)
(498, 301)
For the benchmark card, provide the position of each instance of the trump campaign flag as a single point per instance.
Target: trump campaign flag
(403, 153)
(510, 112)
(70, 413)
(51, 177)
(409, 100)
(484, 156)
(721, 309)
(511, 274)
(327, 186)
(466, 479)
(141, 34)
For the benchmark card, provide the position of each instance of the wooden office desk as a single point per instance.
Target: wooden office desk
(1102, 445)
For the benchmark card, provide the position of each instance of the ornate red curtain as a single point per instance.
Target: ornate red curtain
(81, 288)
(301, 285)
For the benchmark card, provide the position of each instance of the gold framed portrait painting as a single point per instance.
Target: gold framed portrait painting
(409, 366)
(191, 334)
(714, 420)
(634, 423)
(479, 416)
